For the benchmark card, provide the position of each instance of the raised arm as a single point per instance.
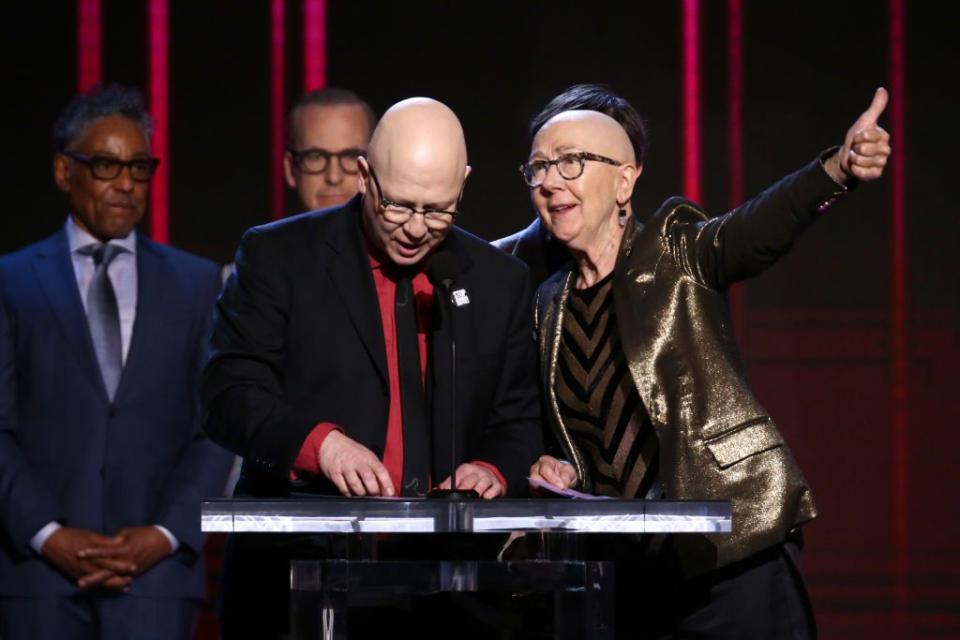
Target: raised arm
(749, 239)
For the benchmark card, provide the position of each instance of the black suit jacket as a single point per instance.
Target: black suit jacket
(298, 341)
(537, 249)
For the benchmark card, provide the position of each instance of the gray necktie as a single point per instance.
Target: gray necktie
(104, 315)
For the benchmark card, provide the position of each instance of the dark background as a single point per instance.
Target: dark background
(816, 328)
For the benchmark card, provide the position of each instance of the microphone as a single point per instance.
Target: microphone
(442, 269)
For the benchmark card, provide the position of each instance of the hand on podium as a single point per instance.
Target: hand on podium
(476, 477)
(559, 473)
(353, 468)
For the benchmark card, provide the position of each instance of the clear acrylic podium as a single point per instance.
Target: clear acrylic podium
(323, 590)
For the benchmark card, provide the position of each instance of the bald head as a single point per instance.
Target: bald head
(420, 141)
(417, 161)
(588, 129)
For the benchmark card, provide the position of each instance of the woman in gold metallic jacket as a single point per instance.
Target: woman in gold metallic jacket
(643, 383)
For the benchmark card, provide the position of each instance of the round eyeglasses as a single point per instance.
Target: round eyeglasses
(315, 160)
(569, 166)
(399, 214)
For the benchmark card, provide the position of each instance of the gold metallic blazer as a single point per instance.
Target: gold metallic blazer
(716, 441)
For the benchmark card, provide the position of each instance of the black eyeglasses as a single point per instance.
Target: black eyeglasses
(108, 168)
(569, 166)
(317, 160)
(399, 214)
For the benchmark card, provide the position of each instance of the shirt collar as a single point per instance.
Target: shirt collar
(374, 255)
(77, 238)
(380, 262)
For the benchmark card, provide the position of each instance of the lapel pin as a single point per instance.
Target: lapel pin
(460, 297)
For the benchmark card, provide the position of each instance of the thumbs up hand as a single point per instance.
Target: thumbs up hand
(866, 147)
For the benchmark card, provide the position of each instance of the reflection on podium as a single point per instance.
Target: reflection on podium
(401, 549)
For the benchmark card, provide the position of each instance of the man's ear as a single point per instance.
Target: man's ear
(466, 172)
(363, 175)
(61, 172)
(289, 170)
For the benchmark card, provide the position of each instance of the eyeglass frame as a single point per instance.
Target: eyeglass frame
(89, 161)
(383, 203)
(582, 156)
(298, 157)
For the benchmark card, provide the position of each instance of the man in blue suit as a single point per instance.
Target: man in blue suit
(102, 460)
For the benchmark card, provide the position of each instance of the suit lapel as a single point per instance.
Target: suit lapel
(551, 335)
(154, 281)
(464, 311)
(348, 267)
(54, 270)
(465, 333)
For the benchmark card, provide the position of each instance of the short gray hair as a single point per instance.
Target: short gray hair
(99, 103)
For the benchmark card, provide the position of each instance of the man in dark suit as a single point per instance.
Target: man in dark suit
(330, 362)
(328, 131)
(102, 460)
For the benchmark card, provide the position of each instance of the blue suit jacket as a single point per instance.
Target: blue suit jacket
(66, 452)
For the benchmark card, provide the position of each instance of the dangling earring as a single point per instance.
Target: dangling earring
(623, 217)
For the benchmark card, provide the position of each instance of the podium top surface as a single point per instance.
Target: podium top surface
(422, 515)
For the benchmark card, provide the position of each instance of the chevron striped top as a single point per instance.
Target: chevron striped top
(598, 399)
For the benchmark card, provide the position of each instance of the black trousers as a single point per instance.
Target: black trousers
(254, 595)
(762, 597)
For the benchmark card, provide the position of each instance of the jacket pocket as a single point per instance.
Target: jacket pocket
(742, 441)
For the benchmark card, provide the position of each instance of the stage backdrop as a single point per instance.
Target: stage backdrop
(851, 341)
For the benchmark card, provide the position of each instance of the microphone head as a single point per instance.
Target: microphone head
(443, 267)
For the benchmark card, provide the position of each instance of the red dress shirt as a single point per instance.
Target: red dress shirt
(307, 461)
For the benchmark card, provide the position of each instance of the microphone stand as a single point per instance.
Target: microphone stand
(452, 493)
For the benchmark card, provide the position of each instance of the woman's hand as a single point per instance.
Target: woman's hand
(557, 472)
(866, 147)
